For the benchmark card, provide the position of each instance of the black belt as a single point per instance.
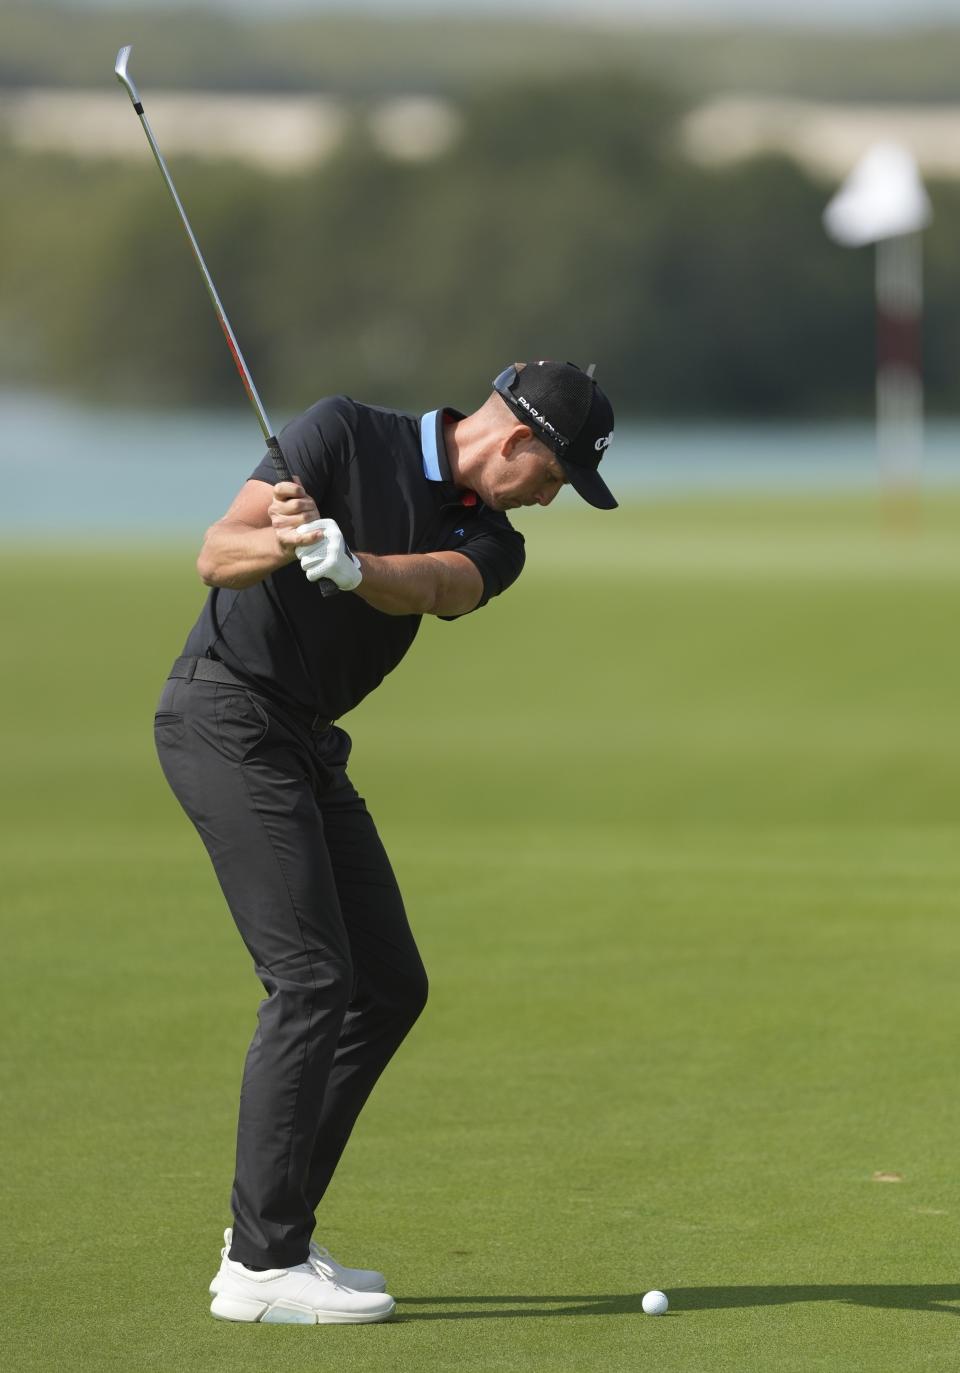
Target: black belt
(209, 670)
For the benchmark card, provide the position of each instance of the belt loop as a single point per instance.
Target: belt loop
(191, 669)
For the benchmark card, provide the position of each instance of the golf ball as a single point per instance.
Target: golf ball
(655, 1304)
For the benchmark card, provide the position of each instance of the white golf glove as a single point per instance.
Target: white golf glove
(330, 557)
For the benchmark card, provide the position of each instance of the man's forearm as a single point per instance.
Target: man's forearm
(414, 584)
(236, 555)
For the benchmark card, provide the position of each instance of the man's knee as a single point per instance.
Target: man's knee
(408, 995)
(398, 998)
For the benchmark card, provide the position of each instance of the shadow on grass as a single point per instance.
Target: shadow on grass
(905, 1297)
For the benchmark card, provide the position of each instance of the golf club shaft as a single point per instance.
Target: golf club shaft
(273, 447)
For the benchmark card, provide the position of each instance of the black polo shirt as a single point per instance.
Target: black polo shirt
(384, 476)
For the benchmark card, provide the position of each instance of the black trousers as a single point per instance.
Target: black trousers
(317, 905)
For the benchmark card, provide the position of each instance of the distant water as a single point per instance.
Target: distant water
(67, 467)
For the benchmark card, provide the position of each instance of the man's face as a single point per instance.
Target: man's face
(523, 472)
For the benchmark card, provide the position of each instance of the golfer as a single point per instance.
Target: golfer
(405, 516)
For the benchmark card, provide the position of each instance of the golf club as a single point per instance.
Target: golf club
(328, 587)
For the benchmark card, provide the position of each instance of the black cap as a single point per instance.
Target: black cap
(567, 411)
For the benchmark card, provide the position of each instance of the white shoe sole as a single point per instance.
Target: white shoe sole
(227, 1308)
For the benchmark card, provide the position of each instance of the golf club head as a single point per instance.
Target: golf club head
(123, 57)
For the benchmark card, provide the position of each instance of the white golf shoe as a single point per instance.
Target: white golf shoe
(307, 1294)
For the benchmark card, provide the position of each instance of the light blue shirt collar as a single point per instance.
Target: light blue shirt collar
(428, 442)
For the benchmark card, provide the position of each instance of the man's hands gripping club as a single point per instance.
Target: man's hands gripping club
(318, 542)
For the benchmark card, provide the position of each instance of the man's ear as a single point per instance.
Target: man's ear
(518, 437)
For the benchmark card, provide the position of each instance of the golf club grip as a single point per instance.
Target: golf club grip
(327, 587)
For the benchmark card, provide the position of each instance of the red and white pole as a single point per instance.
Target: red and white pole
(883, 201)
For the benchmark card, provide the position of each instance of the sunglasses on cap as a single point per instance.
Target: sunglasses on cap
(503, 385)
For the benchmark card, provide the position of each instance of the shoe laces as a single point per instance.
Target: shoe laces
(323, 1270)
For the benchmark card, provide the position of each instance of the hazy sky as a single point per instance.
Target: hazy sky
(799, 12)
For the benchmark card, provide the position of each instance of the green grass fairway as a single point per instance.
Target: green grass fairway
(681, 850)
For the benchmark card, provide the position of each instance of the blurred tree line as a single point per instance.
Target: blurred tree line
(271, 48)
(562, 223)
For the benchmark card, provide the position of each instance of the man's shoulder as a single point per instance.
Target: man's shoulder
(382, 419)
(341, 416)
(353, 411)
(330, 413)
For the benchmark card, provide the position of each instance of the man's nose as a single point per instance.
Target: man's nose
(545, 497)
